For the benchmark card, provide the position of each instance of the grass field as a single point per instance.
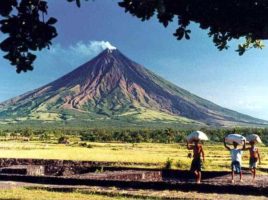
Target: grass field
(217, 158)
(31, 193)
(26, 194)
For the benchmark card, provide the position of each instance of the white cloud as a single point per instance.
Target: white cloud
(80, 50)
(64, 59)
(89, 48)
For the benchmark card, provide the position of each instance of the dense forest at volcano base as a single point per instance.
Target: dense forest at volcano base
(122, 134)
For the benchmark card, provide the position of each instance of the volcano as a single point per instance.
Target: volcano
(113, 89)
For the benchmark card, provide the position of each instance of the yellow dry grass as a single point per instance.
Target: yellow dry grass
(217, 158)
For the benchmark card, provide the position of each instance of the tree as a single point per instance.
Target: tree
(63, 140)
(28, 132)
(28, 31)
(225, 20)
(45, 136)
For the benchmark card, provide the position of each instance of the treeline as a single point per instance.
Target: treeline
(128, 135)
(166, 135)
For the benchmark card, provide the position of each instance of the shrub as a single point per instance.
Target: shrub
(83, 144)
(180, 164)
(168, 163)
(63, 140)
(101, 170)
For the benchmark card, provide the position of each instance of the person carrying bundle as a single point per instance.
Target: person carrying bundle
(236, 153)
(196, 165)
(254, 153)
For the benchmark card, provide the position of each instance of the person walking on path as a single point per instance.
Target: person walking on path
(236, 156)
(196, 166)
(253, 159)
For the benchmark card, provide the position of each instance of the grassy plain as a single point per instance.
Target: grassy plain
(142, 154)
(26, 194)
(32, 193)
(138, 155)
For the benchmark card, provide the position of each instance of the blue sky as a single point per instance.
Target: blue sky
(232, 81)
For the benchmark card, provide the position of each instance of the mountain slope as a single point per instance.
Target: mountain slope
(111, 86)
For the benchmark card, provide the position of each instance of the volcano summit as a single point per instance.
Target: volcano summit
(113, 90)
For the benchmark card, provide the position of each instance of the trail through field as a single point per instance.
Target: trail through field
(261, 181)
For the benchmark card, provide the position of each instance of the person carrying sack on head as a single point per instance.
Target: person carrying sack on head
(196, 166)
(236, 156)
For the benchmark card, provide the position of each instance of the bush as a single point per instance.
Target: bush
(180, 164)
(168, 163)
(83, 144)
(63, 140)
(101, 170)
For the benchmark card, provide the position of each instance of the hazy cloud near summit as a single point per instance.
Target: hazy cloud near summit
(90, 48)
(64, 59)
(79, 52)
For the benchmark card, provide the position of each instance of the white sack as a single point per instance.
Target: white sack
(254, 138)
(197, 135)
(234, 138)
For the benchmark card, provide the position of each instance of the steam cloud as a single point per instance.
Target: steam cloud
(74, 54)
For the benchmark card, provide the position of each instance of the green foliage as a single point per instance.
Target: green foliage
(83, 144)
(166, 136)
(45, 136)
(163, 135)
(23, 22)
(27, 132)
(168, 163)
(182, 164)
(133, 136)
(226, 21)
(78, 2)
(63, 140)
(249, 44)
(28, 31)
(101, 170)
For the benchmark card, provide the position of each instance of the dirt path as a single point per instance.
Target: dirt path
(260, 181)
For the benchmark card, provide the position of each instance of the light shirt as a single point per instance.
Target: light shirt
(236, 155)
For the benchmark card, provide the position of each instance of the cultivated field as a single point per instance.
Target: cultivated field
(149, 155)
(139, 155)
